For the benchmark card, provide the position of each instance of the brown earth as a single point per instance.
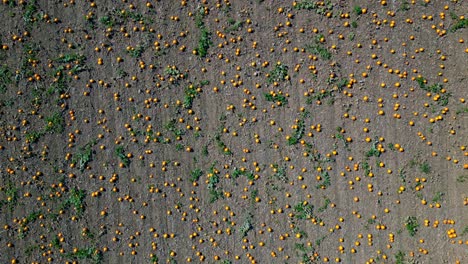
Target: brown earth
(97, 158)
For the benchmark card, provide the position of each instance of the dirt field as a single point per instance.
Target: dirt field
(233, 131)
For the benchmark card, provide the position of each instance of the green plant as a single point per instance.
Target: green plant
(191, 93)
(319, 50)
(438, 197)
(462, 178)
(460, 23)
(5, 78)
(33, 136)
(75, 199)
(400, 257)
(320, 9)
(405, 6)
(179, 147)
(215, 195)
(246, 226)
(303, 211)
(222, 146)
(326, 181)
(90, 253)
(71, 57)
(136, 52)
(280, 173)
(319, 96)
(299, 130)
(84, 156)
(464, 231)
(276, 98)
(55, 123)
(234, 25)
(195, 174)
(412, 225)
(30, 11)
(154, 259)
(306, 4)
(324, 206)
(107, 21)
(204, 42)
(357, 10)
(425, 167)
(171, 126)
(120, 153)
(373, 151)
(278, 74)
(254, 194)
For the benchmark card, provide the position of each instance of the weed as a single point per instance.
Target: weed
(55, 123)
(462, 178)
(464, 231)
(171, 126)
(278, 74)
(320, 9)
(222, 146)
(30, 11)
(306, 4)
(354, 24)
(195, 175)
(425, 167)
(326, 181)
(204, 42)
(400, 257)
(246, 226)
(303, 211)
(461, 23)
(90, 253)
(84, 156)
(179, 147)
(351, 36)
(136, 52)
(234, 25)
(33, 216)
(276, 98)
(172, 71)
(299, 130)
(11, 193)
(191, 93)
(319, 50)
(412, 225)
(205, 151)
(215, 195)
(405, 6)
(319, 96)
(438, 197)
(76, 199)
(280, 173)
(254, 194)
(462, 110)
(33, 136)
(107, 21)
(5, 78)
(373, 152)
(357, 10)
(71, 57)
(120, 153)
(319, 241)
(154, 259)
(324, 206)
